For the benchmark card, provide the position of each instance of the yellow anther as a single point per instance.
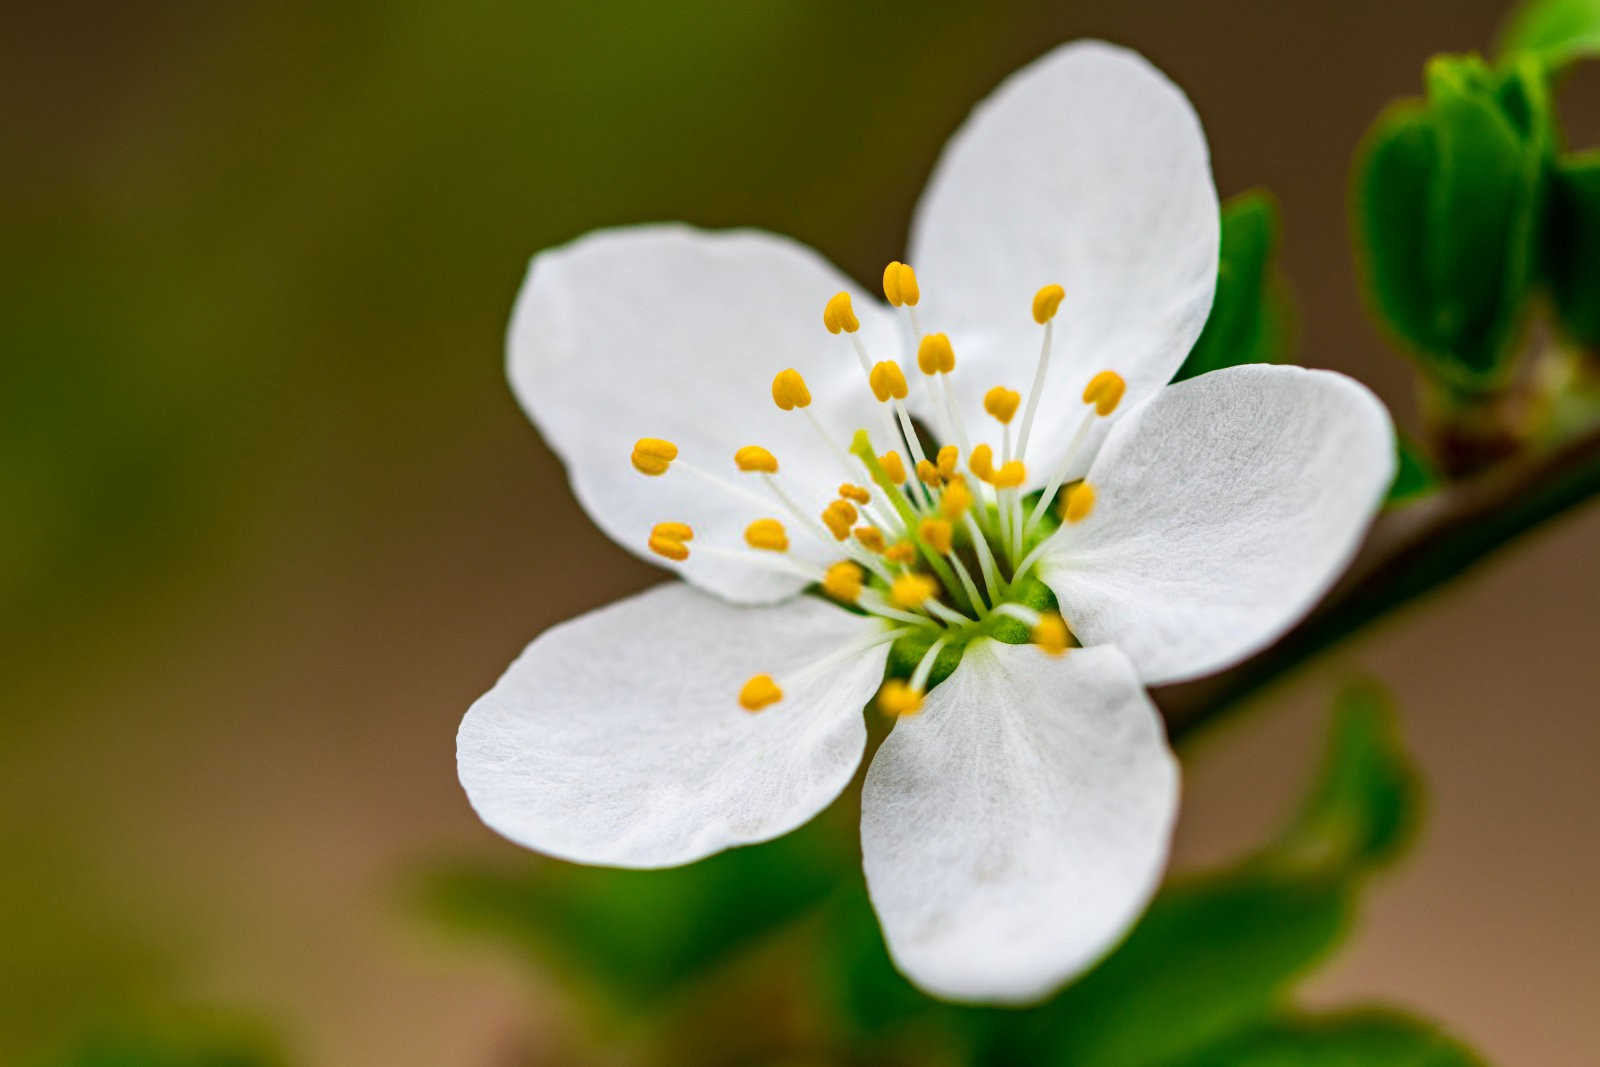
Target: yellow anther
(937, 534)
(1046, 302)
(1051, 634)
(934, 354)
(1010, 475)
(949, 456)
(756, 458)
(900, 552)
(981, 462)
(1079, 502)
(893, 467)
(1002, 402)
(928, 473)
(900, 285)
(910, 590)
(838, 517)
(887, 381)
(768, 534)
(898, 699)
(855, 493)
(1105, 391)
(758, 692)
(652, 455)
(870, 538)
(668, 539)
(839, 315)
(957, 498)
(789, 390)
(842, 581)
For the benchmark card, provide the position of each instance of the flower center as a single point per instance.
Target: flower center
(940, 558)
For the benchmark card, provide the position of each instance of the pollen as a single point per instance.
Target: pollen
(1079, 502)
(839, 517)
(937, 534)
(893, 467)
(767, 534)
(898, 699)
(652, 455)
(839, 315)
(900, 552)
(756, 458)
(1105, 391)
(842, 581)
(957, 498)
(928, 473)
(870, 538)
(789, 390)
(900, 285)
(911, 590)
(887, 381)
(981, 462)
(669, 539)
(1002, 403)
(1046, 302)
(948, 457)
(855, 493)
(934, 354)
(1051, 634)
(758, 692)
(1010, 475)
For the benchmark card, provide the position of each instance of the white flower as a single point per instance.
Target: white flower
(1016, 820)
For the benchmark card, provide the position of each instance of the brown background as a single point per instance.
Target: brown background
(280, 520)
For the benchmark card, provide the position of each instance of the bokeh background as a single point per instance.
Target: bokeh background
(270, 519)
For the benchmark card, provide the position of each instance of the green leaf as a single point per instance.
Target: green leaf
(1573, 246)
(1414, 475)
(1555, 31)
(194, 1043)
(1447, 200)
(1365, 1039)
(1249, 320)
(635, 934)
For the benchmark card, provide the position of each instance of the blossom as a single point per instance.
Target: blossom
(1073, 530)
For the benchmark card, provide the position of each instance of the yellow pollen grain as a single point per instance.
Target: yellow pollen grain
(767, 534)
(668, 539)
(900, 285)
(948, 457)
(652, 455)
(1046, 302)
(893, 467)
(755, 458)
(1002, 403)
(910, 590)
(1051, 634)
(887, 381)
(1010, 475)
(855, 493)
(838, 315)
(981, 462)
(934, 354)
(758, 692)
(842, 581)
(957, 498)
(1079, 502)
(789, 390)
(839, 517)
(928, 473)
(937, 534)
(900, 552)
(1105, 391)
(898, 699)
(869, 538)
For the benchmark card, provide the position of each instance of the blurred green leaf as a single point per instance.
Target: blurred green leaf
(1573, 247)
(1414, 475)
(636, 934)
(196, 1043)
(1365, 1039)
(1447, 201)
(1556, 31)
(1249, 320)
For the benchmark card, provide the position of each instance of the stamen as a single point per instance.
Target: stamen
(855, 493)
(1010, 475)
(938, 534)
(758, 692)
(898, 699)
(1045, 304)
(842, 581)
(893, 467)
(912, 590)
(652, 455)
(928, 474)
(1105, 391)
(1071, 454)
(957, 498)
(767, 534)
(991, 573)
(980, 461)
(900, 285)
(935, 355)
(870, 538)
(901, 552)
(838, 315)
(887, 381)
(668, 539)
(1079, 502)
(919, 677)
(948, 457)
(762, 689)
(839, 516)
(755, 458)
(1050, 633)
(789, 390)
(1001, 403)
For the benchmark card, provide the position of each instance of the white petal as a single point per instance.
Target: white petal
(1088, 169)
(667, 331)
(1224, 508)
(1015, 829)
(617, 738)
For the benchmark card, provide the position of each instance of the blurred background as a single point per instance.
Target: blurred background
(270, 518)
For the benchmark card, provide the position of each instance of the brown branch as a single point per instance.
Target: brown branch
(1410, 550)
